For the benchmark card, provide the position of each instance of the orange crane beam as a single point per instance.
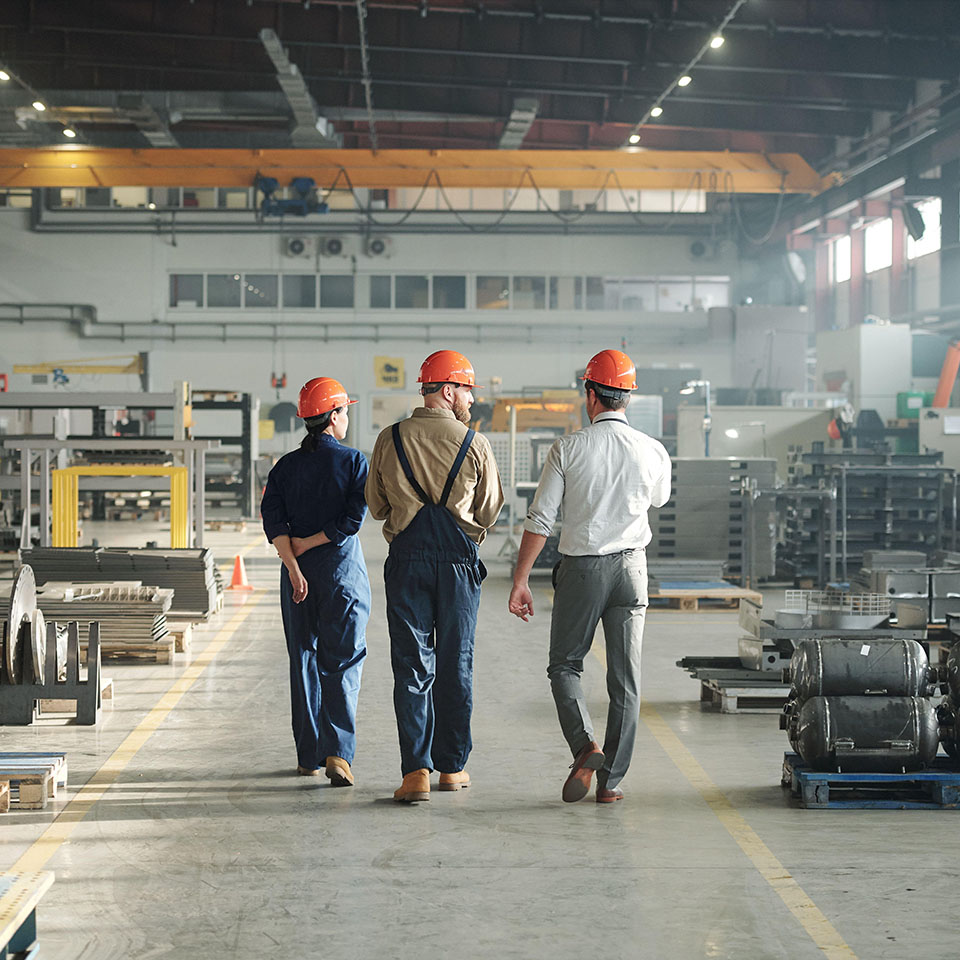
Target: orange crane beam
(76, 165)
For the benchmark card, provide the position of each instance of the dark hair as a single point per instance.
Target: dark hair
(316, 426)
(426, 388)
(609, 397)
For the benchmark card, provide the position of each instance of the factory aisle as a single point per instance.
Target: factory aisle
(205, 844)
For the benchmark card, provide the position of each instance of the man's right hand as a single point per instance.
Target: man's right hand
(299, 583)
(520, 603)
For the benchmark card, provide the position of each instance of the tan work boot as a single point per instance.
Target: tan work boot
(455, 781)
(338, 772)
(415, 787)
(307, 772)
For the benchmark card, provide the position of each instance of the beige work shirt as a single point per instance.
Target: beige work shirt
(431, 439)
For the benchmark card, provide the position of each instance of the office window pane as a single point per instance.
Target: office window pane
(223, 289)
(565, 293)
(299, 290)
(449, 293)
(493, 293)
(380, 292)
(603, 293)
(411, 292)
(841, 259)
(638, 295)
(200, 197)
(529, 293)
(186, 290)
(930, 241)
(259, 289)
(675, 294)
(336, 291)
(878, 245)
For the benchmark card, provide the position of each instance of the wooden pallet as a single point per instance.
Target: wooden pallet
(152, 652)
(4, 796)
(45, 707)
(33, 778)
(935, 789)
(182, 633)
(739, 696)
(239, 525)
(688, 599)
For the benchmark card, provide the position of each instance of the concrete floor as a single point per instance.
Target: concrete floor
(206, 846)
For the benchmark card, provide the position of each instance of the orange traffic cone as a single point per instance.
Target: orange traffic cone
(239, 580)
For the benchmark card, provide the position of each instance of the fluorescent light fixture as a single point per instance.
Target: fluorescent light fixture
(687, 391)
(151, 206)
(634, 137)
(717, 42)
(656, 111)
(732, 432)
(4, 76)
(39, 106)
(684, 81)
(69, 132)
(842, 209)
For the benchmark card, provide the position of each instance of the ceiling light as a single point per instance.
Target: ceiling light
(732, 432)
(39, 106)
(687, 391)
(634, 137)
(4, 76)
(717, 42)
(656, 111)
(151, 206)
(684, 81)
(69, 132)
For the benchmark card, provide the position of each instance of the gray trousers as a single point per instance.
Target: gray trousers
(611, 589)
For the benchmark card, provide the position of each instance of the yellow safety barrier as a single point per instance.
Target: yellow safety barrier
(66, 490)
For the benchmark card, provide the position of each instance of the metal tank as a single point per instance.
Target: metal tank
(948, 716)
(894, 668)
(857, 734)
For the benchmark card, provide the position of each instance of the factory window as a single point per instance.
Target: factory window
(129, 196)
(411, 292)
(711, 292)
(233, 198)
(603, 293)
(930, 241)
(493, 293)
(200, 197)
(638, 295)
(97, 197)
(186, 290)
(336, 291)
(529, 293)
(566, 293)
(878, 245)
(223, 289)
(299, 290)
(841, 259)
(675, 294)
(259, 289)
(449, 293)
(380, 298)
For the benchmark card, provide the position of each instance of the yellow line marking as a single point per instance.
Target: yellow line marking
(811, 918)
(46, 845)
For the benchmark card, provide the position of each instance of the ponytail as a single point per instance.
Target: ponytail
(315, 427)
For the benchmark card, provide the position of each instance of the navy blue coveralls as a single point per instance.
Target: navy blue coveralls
(432, 577)
(306, 492)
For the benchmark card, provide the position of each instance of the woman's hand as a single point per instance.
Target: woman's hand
(301, 545)
(299, 583)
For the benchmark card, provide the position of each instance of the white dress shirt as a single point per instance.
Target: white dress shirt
(601, 480)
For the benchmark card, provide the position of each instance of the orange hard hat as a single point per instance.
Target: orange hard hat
(321, 395)
(447, 366)
(612, 368)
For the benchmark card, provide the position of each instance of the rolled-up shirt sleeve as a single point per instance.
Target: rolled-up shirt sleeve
(545, 508)
(488, 498)
(661, 492)
(348, 523)
(273, 511)
(374, 491)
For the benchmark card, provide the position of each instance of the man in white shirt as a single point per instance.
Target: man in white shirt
(601, 480)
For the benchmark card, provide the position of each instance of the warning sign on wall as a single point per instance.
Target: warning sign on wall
(388, 372)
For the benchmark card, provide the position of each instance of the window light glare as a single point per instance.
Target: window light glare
(717, 42)
(634, 137)
(39, 106)
(69, 132)
(656, 111)
(732, 432)
(684, 81)
(4, 76)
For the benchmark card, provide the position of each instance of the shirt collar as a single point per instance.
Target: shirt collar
(328, 438)
(434, 412)
(610, 415)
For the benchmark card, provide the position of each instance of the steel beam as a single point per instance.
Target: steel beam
(564, 169)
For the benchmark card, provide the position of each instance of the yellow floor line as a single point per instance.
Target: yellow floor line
(47, 844)
(811, 918)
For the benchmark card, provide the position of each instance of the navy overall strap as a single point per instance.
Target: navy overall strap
(405, 464)
(457, 464)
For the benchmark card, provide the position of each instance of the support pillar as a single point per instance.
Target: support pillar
(857, 278)
(950, 234)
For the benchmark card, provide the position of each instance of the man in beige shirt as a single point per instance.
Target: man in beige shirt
(434, 483)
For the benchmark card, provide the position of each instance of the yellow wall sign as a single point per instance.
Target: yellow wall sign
(388, 372)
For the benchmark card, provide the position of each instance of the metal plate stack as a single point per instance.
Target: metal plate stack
(191, 574)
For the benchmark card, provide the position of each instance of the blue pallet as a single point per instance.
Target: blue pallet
(937, 788)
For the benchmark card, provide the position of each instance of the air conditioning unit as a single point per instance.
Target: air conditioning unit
(298, 246)
(332, 246)
(377, 246)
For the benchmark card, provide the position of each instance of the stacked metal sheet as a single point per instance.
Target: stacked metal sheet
(191, 574)
(132, 617)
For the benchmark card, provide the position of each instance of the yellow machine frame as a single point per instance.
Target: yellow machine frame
(66, 491)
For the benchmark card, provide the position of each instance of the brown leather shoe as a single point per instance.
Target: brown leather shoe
(577, 785)
(307, 772)
(415, 787)
(455, 781)
(609, 796)
(338, 772)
